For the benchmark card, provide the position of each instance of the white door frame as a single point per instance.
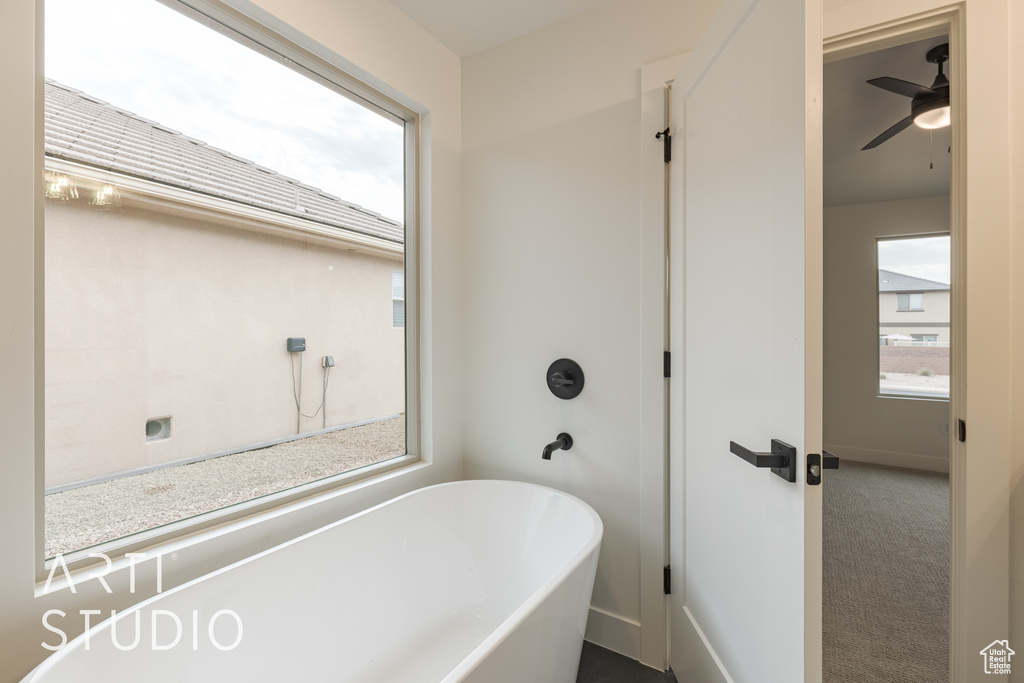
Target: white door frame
(652, 648)
(871, 40)
(979, 496)
(980, 563)
(647, 639)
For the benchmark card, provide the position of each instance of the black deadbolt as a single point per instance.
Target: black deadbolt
(565, 378)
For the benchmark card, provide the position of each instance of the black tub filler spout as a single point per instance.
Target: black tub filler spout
(564, 442)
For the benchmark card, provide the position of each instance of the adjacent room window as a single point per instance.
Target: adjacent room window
(398, 299)
(913, 317)
(215, 218)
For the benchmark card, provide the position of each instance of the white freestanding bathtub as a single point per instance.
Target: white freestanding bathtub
(483, 581)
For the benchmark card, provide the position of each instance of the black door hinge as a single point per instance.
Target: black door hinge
(668, 579)
(961, 430)
(668, 364)
(668, 144)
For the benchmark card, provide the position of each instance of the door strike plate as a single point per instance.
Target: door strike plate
(813, 469)
(818, 462)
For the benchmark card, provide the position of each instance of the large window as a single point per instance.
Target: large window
(913, 317)
(222, 221)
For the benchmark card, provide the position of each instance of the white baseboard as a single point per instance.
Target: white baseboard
(890, 458)
(698, 662)
(614, 632)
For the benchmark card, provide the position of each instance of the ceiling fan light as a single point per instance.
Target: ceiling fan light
(933, 118)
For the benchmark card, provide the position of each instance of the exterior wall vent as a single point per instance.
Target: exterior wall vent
(158, 428)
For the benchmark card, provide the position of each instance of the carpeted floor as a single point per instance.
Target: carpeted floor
(886, 575)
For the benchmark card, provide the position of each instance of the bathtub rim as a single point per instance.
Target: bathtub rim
(471, 660)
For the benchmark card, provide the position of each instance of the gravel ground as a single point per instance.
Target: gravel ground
(85, 516)
(897, 381)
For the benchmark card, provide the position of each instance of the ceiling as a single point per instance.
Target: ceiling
(855, 112)
(470, 26)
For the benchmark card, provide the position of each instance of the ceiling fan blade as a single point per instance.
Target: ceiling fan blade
(905, 123)
(900, 87)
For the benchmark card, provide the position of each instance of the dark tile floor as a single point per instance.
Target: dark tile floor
(598, 665)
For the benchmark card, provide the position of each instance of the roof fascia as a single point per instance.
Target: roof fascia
(177, 201)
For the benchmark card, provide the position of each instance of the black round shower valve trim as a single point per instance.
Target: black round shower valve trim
(565, 378)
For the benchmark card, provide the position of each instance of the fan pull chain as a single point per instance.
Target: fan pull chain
(931, 146)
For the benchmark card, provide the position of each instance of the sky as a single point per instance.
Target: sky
(926, 257)
(150, 60)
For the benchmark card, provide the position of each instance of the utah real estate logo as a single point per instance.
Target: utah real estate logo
(997, 657)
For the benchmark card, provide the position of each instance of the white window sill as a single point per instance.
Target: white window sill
(922, 396)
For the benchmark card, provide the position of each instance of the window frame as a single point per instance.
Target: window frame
(910, 302)
(903, 395)
(275, 40)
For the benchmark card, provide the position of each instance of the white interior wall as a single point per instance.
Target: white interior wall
(552, 208)
(562, 105)
(858, 424)
(382, 43)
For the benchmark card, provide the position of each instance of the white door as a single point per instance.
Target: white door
(746, 234)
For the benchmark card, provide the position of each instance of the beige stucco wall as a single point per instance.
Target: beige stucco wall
(935, 309)
(935, 315)
(151, 315)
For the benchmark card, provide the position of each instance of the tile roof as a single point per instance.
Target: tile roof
(890, 281)
(84, 129)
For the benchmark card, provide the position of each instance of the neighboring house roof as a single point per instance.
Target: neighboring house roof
(889, 281)
(84, 129)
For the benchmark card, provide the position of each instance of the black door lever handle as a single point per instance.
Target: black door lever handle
(757, 459)
(829, 461)
(781, 460)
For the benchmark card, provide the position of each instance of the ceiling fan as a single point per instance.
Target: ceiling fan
(929, 107)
